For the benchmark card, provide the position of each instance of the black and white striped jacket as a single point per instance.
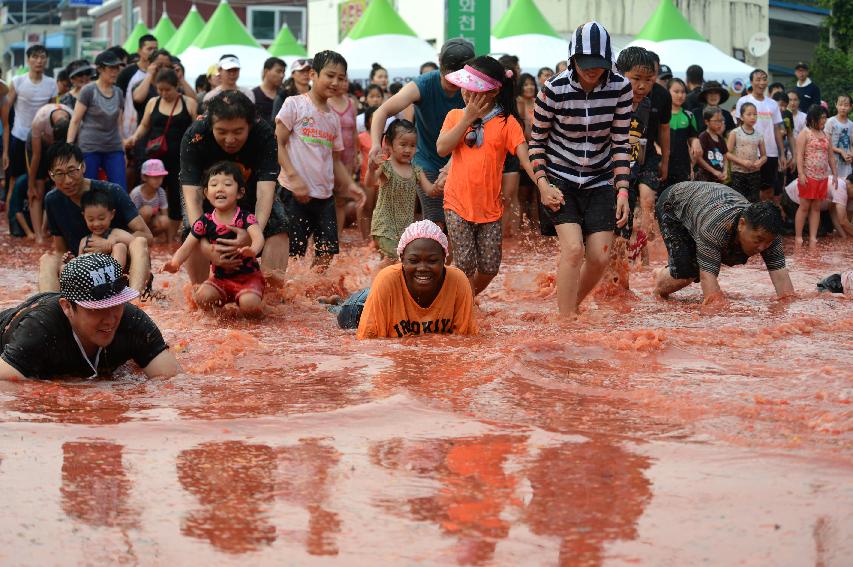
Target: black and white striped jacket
(581, 137)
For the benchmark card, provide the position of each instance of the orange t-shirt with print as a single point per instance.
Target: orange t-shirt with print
(473, 187)
(390, 310)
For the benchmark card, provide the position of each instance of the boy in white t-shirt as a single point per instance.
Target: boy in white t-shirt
(839, 128)
(770, 126)
(309, 151)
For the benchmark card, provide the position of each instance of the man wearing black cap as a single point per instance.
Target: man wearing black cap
(664, 75)
(433, 97)
(808, 91)
(85, 330)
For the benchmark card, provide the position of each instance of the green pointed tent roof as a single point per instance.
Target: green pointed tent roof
(187, 32)
(224, 28)
(132, 43)
(164, 30)
(523, 17)
(285, 44)
(380, 18)
(668, 23)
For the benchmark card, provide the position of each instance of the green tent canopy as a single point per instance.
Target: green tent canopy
(187, 32)
(380, 18)
(285, 44)
(164, 30)
(224, 28)
(667, 22)
(132, 43)
(522, 18)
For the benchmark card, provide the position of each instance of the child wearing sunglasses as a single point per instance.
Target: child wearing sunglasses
(479, 138)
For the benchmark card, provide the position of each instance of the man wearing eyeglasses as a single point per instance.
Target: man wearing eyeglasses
(87, 330)
(68, 227)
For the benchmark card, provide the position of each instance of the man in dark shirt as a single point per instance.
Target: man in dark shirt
(808, 91)
(705, 225)
(230, 130)
(147, 46)
(85, 330)
(68, 227)
(695, 79)
(265, 93)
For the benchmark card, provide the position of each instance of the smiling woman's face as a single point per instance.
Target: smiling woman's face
(423, 266)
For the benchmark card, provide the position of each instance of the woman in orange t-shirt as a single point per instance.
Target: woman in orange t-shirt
(479, 137)
(419, 296)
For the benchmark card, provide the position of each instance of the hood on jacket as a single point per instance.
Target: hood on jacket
(592, 42)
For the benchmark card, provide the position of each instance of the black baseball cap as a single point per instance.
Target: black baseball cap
(665, 72)
(455, 53)
(95, 281)
(802, 65)
(107, 59)
(591, 61)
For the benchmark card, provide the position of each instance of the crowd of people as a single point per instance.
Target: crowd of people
(606, 153)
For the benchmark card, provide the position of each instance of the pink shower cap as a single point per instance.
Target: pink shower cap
(421, 229)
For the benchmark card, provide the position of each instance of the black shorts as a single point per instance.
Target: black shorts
(771, 177)
(593, 209)
(431, 207)
(748, 185)
(512, 163)
(17, 157)
(680, 245)
(315, 218)
(648, 173)
(277, 223)
(41, 174)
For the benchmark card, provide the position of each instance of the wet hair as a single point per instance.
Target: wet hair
(746, 105)
(756, 72)
(675, 80)
(695, 75)
(373, 87)
(327, 58)
(273, 61)
(632, 57)
(368, 116)
(120, 52)
(60, 127)
(523, 79)
(36, 49)
(655, 56)
(764, 216)
(506, 95)
(375, 68)
(62, 152)
(710, 112)
(793, 92)
(776, 85)
(97, 197)
(224, 167)
(394, 88)
(63, 76)
(814, 115)
(145, 39)
(202, 83)
(843, 96)
(780, 96)
(508, 61)
(230, 105)
(427, 67)
(397, 128)
(168, 76)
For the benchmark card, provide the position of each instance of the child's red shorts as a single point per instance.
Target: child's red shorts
(813, 189)
(230, 289)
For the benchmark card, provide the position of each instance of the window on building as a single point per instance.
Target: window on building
(117, 35)
(136, 17)
(266, 21)
(103, 31)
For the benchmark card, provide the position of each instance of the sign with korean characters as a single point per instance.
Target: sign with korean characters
(470, 19)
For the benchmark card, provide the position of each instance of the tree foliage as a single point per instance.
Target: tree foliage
(841, 23)
(832, 68)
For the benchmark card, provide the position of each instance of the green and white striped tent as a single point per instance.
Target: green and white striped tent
(225, 33)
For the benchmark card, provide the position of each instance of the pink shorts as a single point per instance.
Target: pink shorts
(230, 289)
